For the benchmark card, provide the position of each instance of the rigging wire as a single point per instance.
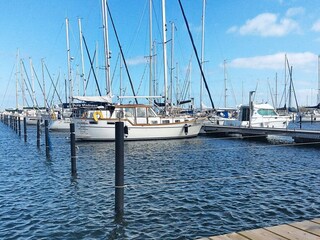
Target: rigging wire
(123, 58)
(196, 53)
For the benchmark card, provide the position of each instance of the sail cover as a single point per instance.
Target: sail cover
(100, 99)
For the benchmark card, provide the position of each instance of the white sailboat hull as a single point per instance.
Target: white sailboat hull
(60, 124)
(104, 130)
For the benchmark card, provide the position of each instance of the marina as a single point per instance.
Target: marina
(124, 120)
(200, 187)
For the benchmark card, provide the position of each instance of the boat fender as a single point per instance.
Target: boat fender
(186, 129)
(53, 116)
(97, 115)
(126, 131)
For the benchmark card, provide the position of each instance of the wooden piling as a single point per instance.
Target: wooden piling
(25, 128)
(46, 125)
(73, 150)
(38, 133)
(119, 168)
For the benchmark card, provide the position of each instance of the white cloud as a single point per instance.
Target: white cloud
(305, 60)
(291, 12)
(267, 25)
(137, 60)
(316, 26)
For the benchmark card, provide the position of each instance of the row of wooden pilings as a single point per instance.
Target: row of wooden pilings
(15, 123)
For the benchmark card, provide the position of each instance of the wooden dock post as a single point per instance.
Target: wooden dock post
(19, 126)
(38, 133)
(46, 125)
(119, 168)
(25, 128)
(73, 150)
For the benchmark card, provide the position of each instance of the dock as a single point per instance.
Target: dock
(298, 135)
(305, 230)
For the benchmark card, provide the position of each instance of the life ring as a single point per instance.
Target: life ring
(97, 115)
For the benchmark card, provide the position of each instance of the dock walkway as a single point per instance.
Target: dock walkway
(298, 135)
(305, 230)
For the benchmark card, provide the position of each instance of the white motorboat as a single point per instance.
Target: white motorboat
(140, 123)
(263, 115)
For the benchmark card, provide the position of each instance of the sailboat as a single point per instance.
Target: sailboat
(141, 122)
(61, 119)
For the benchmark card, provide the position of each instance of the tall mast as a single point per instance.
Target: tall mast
(43, 84)
(120, 93)
(177, 83)
(17, 79)
(164, 40)
(202, 51)
(97, 62)
(22, 84)
(276, 96)
(318, 99)
(83, 76)
(285, 80)
(106, 46)
(225, 83)
(69, 65)
(290, 88)
(150, 57)
(155, 88)
(171, 67)
(32, 83)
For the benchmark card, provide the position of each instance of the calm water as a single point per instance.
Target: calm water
(178, 189)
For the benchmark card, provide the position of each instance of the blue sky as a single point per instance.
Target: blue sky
(253, 37)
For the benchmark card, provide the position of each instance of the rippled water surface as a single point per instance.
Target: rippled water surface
(177, 189)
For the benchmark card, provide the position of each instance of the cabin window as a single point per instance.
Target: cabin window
(165, 121)
(151, 113)
(267, 112)
(141, 112)
(177, 121)
(129, 112)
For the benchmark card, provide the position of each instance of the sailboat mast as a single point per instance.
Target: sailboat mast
(17, 79)
(318, 100)
(22, 84)
(276, 95)
(225, 82)
(151, 44)
(106, 46)
(202, 51)
(69, 65)
(290, 89)
(164, 40)
(83, 77)
(285, 80)
(43, 84)
(32, 83)
(171, 67)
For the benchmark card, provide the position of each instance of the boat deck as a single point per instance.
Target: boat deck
(305, 230)
(298, 135)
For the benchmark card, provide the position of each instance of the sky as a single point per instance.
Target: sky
(245, 44)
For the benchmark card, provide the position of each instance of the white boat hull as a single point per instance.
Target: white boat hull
(60, 125)
(104, 130)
